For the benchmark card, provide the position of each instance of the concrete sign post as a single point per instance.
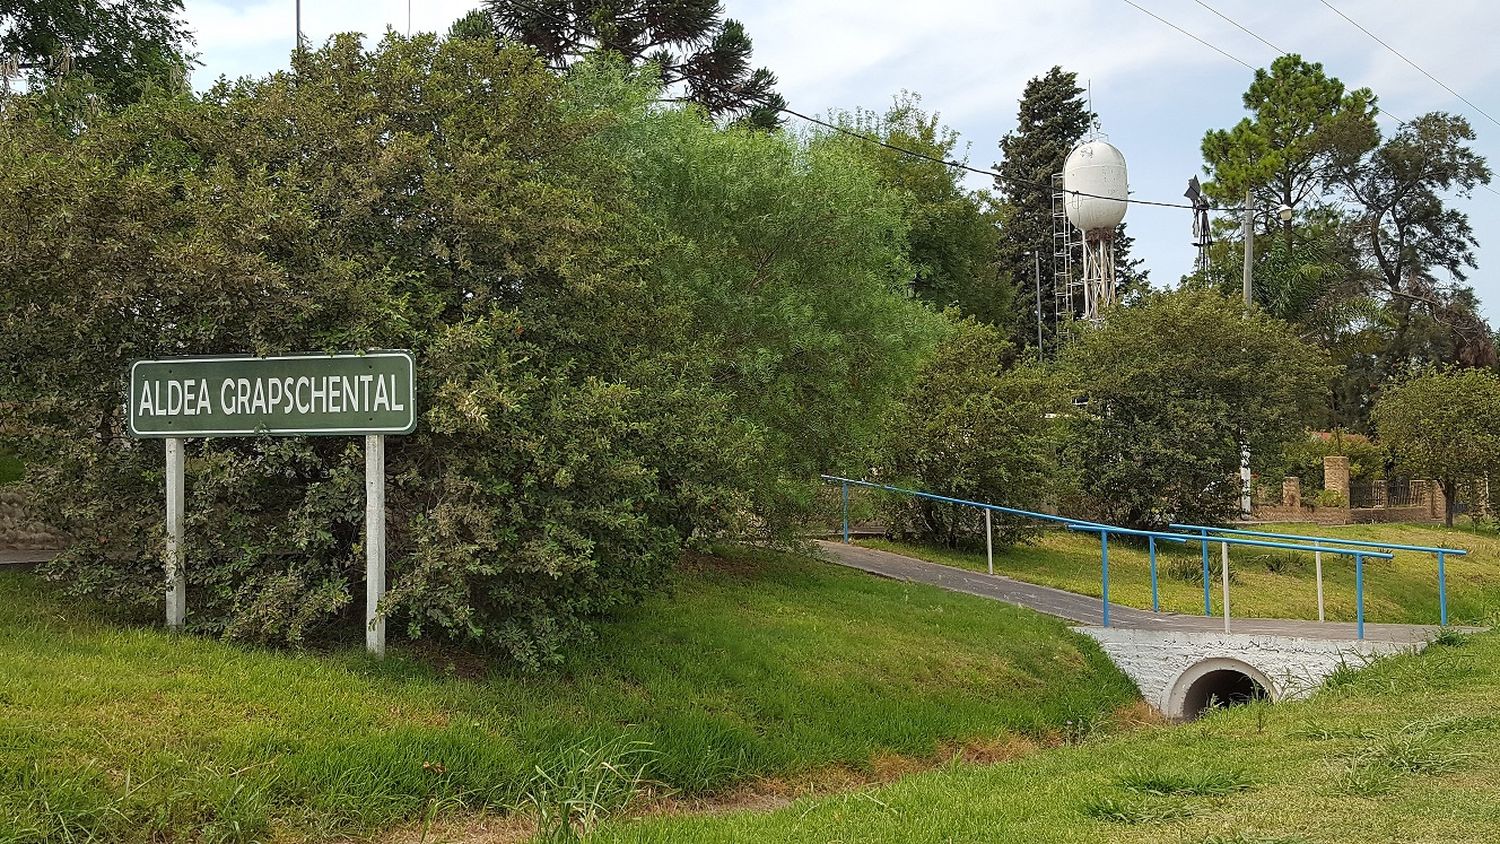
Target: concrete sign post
(176, 581)
(374, 542)
(368, 394)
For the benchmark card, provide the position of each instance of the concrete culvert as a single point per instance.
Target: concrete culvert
(1217, 682)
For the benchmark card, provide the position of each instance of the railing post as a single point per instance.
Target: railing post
(989, 542)
(1224, 575)
(1155, 596)
(1208, 606)
(1104, 569)
(1318, 564)
(1359, 595)
(846, 513)
(1442, 592)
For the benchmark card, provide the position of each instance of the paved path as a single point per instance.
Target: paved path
(18, 557)
(1089, 611)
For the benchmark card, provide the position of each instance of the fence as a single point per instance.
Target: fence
(1378, 492)
(1318, 545)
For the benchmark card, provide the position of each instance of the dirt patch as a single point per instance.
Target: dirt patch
(466, 829)
(771, 793)
(453, 660)
(1136, 715)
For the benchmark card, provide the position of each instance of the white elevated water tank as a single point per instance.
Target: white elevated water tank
(1095, 168)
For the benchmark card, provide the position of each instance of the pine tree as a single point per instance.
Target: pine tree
(1051, 119)
(1131, 277)
(690, 41)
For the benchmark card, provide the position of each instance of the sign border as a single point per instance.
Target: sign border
(274, 432)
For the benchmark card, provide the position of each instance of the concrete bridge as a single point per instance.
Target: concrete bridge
(1181, 663)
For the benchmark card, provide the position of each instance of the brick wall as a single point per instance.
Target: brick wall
(1305, 513)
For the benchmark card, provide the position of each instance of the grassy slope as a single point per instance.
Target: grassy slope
(759, 664)
(1400, 590)
(1403, 752)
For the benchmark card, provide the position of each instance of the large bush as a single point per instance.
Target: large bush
(974, 424)
(632, 330)
(1444, 424)
(1304, 459)
(1168, 390)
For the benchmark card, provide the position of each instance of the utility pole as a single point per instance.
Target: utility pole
(1249, 243)
(1038, 276)
(1245, 502)
(299, 27)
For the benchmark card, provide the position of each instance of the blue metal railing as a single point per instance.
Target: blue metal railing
(1359, 564)
(1224, 536)
(1441, 553)
(1046, 517)
(985, 506)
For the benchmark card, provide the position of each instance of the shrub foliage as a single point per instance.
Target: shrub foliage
(974, 424)
(1444, 424)
(633, 330)
(1168, 389)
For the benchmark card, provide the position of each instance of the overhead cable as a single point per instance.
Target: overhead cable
(1402, 56)
(1163, 20)
(1240, 27)
(960, 165)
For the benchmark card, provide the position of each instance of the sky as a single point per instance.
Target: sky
(1156, 90)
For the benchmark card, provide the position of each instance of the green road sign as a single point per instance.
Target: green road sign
(368, 393)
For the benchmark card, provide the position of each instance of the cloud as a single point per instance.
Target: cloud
(256, 37)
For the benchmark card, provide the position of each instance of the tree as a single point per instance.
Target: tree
(123, 47)
(1132, 279)
(1050, 120)
(953, 233)
(474, 24)
(688, 41)
(973, 424)
(634, 330)
(1315, 283)
(1170, 388)
(1443, 424)
(1362, 264)
(1304, 130)
(1409, 234)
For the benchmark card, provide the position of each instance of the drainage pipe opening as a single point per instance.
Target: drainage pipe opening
(1222, 687)
(1216, 682)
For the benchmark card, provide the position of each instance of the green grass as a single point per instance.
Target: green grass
(759, 664)
(1405, 751)
(1265, 583)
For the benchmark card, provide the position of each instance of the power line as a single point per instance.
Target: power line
(1223, 53)
(1399, 54)
(1379, 111)
(996, 175)
(1403, 57)
(972, 169)
(1247, 31)
(1241, 27)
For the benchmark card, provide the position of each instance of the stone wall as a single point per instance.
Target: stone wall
(19, 531)
(1160, 662)
(1426, 504)
(1305, 513)
(1362, 515)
